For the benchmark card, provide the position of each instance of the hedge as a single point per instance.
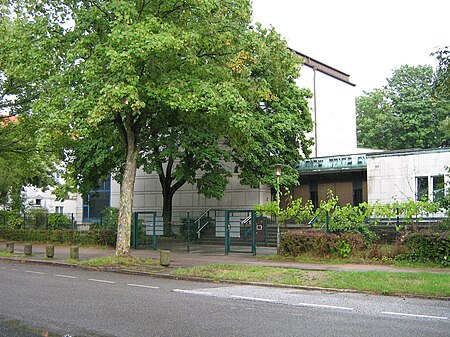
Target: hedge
(295, 243)
(104, 237)
(425, 246)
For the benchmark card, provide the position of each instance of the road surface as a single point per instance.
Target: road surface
(76, 302)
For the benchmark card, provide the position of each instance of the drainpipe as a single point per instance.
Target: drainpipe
(315, 111)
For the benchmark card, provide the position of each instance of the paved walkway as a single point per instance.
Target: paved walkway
(204, 255)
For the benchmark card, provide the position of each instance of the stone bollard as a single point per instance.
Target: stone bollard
(10, 247)
(164, 258)
(28, 249)
(50, 251)
(74, 252)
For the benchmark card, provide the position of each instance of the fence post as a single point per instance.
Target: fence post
(74, 252)
(10, 247)
(327, 222)
(188, 232)
(50, 251)
(164, 258)
(28, 249)
(398, 218)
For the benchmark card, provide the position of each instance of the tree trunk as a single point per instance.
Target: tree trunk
(126, 203)
(167, 211)
(168, 192)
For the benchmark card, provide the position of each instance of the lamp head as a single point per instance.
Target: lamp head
(277, 170)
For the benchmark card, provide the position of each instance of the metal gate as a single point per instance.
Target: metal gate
(147, 226)
(240, 231)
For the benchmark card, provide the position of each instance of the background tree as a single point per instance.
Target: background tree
(405, 113)
(23, 161)
(442, 82)
(179, 87)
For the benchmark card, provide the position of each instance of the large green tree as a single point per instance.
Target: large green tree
(177, 87)
(406, 113)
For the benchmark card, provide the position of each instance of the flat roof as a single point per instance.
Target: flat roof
(323, 68)
(407, 152)
(356, 162)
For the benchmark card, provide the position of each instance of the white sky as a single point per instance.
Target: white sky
(365, 39)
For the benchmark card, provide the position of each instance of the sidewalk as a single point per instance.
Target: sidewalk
(205, 255)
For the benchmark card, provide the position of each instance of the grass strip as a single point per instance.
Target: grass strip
(125, 262)
(420, 283)
(353, 260)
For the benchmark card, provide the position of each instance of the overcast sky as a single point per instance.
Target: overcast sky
(364, 38)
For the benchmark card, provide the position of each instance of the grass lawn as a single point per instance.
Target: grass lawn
(431, 284)
(353, 260)
(125, 262)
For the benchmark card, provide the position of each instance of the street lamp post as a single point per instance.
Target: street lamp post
(278, 175)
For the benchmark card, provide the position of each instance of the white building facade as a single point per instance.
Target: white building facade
(407, 175)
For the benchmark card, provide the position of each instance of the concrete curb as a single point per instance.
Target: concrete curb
(206, 280)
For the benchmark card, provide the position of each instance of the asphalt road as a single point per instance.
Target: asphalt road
(75, 302)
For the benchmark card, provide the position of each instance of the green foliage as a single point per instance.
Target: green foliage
(426, 246)
(295, 210)
(404, 114)
(344, 219)
(104, 237)
(444, 201)
(58, 221)
(348, 218)
(36, 219)
(24, 161)
(180, 88)
(442, 75)
(10, 219)
(295, 243)
(188, 229)
(110, 218)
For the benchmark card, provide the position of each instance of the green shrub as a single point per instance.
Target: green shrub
(425, 246)
(58, 221)
(104, 237)
(295, 243)
(110, 219)
(36, 219)
(10, 219)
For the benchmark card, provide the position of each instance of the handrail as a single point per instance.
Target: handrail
(203, 214)
(246, 220)
(198, 220)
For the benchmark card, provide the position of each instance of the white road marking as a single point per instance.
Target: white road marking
(65, 276)
(412, 315)
(34, 272)
(257, 299)
(101, 281)
(141, 286)
(322, 306)
(192, 292)
(14, 269)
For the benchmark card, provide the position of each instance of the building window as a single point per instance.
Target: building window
(38, 202)
(422, 188)
(94, 203)
(438, 187)
(59, 209)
